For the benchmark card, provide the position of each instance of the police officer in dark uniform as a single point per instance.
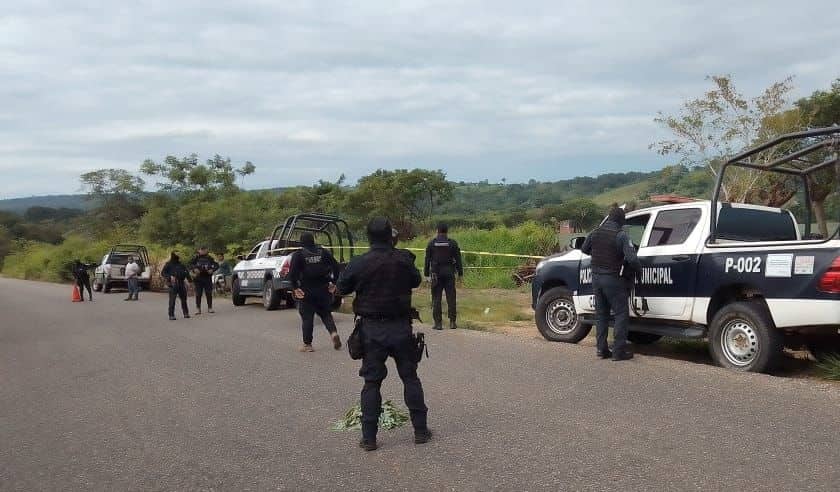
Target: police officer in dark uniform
(443, 261)
(203, 265)
(383, 279)
(176, 276)
(312, 272)
(613, 255)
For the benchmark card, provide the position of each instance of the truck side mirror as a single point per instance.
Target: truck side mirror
(577, 242)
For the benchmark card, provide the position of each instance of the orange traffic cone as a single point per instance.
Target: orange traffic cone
(77, 296)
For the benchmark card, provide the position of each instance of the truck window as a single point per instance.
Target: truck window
(635, 228)
(674, 226)
(253, 254)
(750, 224)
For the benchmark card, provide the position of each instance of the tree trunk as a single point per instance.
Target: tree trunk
(819, 213)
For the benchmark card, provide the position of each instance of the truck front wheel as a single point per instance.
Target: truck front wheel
(238, 299)
(557, 318)
(742, 336)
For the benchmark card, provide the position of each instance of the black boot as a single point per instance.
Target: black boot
(453, 325)
(368, 445)
(422, 436)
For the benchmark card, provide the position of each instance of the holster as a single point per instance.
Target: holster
(355, 342)
(419, 347)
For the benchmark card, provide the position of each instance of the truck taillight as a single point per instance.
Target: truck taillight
(830, 281)
(284, 268)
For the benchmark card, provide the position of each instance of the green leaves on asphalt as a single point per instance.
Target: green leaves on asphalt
(391, 417)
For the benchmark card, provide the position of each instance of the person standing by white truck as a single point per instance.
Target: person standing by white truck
(132, 275)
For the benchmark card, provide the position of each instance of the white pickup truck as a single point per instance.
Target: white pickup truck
(745, 277)
(263, 272)
(111, 270)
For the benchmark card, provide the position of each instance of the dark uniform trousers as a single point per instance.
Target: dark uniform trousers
(176, 290)
(203, 285)
(611, 295)
(444, 283)
(83, 281)
(384, 338)
(318, 301)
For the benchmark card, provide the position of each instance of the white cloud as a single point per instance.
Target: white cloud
(308, 90)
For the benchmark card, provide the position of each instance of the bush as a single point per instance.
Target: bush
(828, 367)
(484, 271)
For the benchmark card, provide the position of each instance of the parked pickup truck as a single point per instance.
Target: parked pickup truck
(111, 271)
(264, 271)
(741, 276)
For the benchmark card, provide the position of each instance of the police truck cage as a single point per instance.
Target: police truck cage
(808, 153)
(329, 230)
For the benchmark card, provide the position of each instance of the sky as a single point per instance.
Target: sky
(492, 90)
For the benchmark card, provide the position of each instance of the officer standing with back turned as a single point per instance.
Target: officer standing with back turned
(312, 272)
(383, 279)
(443, 261)
(612, 252)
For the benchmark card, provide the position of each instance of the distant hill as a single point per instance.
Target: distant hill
(476, 198)
(20, 205)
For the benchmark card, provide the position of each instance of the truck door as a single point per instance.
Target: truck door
(669, 258)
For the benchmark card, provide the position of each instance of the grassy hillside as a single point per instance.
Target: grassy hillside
(20, 205)
(624, 194)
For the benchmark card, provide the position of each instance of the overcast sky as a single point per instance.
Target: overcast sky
(310, 90)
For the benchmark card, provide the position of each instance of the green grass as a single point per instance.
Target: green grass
(828, 367)
(623, 194)
(489, 272)
(477, 309)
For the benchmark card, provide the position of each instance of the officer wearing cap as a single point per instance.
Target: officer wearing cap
(443, 261)
(383, 279)
(312, 272)
(612, 253)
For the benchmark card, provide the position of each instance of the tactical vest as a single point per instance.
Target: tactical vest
(606, 257)
(316, 270)
(384, 287)
(204, 264)
(443, 261)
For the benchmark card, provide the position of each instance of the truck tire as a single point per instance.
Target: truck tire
(557, 318)
(238, 299)
(97, 287)
(642, 338)
(271, 297)
(743, 337)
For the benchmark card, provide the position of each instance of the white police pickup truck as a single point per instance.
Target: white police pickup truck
(264, 271)
(743, 277)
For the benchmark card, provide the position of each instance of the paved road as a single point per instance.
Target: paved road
(111, 395)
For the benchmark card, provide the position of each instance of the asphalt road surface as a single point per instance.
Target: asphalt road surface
(110, 395)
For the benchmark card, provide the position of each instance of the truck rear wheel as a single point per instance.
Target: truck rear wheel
(557, 318)
(97, 287)
(742, 336)
(271, 298)
(238, 299)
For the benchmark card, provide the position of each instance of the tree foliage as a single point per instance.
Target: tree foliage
(709, 130)
(187, 174)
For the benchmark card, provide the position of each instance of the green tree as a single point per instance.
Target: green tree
(406, 197)
(188, 175)
(822, 109)
(117, 193)
(582, 213)
(709, 130)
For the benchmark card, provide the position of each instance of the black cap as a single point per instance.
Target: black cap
(379, 229)
(307, 239)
